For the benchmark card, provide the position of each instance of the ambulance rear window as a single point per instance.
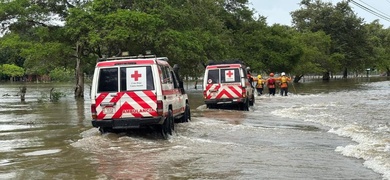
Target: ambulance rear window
(136, 78)
(108, 80)
(213, 76)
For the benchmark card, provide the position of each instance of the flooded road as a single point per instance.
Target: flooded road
(334, 130)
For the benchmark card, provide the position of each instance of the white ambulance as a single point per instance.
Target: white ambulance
(227, 83)
(135, 92)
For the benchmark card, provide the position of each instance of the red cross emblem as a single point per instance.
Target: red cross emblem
(136, 75)
(229, 74)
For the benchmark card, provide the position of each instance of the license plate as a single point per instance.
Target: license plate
(108, 110)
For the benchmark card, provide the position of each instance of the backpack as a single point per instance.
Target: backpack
(271, 81)
(284, 80)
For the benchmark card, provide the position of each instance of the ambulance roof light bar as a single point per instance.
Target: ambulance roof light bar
(228, 61)
(140, 56)
(162, 58)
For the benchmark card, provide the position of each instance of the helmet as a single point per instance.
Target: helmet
(283, 74)
(259, 76)
(271, 74)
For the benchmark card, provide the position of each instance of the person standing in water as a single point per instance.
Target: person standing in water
(260, 85)
(284, 80)
(271, 84)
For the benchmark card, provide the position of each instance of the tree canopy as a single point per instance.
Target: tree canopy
(41, 36)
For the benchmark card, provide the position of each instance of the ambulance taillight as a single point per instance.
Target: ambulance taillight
(243, 92)
(93, 111)
(160, 108)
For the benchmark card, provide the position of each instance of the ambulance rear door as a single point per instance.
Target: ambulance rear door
(137, 92)
(105, 93)
(212, 80)
(230, 83)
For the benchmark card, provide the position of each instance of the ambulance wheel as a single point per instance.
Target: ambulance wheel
(211, 106)
(245, 105)
(187, 114)
(165, 129)
(171, 122)
(104, 130)
(252, 101)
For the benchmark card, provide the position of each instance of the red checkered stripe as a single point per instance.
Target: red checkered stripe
(137, 104)
(224, 91)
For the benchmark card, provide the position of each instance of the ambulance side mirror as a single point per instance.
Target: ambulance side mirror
(181, 83)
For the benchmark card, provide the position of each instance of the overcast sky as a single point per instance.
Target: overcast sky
(278, 11)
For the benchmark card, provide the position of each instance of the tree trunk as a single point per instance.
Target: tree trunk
(79, 90)
(345, 73)
(297, 78)
(326, 76)
(388, 72)
(23, 91)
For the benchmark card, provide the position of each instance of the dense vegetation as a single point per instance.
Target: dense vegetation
(64, 38)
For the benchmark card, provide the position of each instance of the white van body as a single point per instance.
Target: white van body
(227, 84)
(133, 92)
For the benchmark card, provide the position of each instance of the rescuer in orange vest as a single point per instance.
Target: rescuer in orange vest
(271, 84)
(283, 80)
(260, 85)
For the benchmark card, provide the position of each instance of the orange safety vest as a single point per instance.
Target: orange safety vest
(260, 83)
(271, 83)
(284, 82)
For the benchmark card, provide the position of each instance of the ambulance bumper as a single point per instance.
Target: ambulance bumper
(130, 123)
(225, 101)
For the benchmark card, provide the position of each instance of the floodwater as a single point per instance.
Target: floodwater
(322, 130)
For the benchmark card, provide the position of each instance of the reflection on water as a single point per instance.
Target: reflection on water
(42, 152)
(35, 136)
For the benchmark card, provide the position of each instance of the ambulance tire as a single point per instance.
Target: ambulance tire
(187, 114)
(104, 130)
(211, 106)
(164, 132)
(245, 105)
(171, 121)
(252, 101)
(165, 128)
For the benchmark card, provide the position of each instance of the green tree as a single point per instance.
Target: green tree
(32, 27)
(176, 29)
(348, 35)
(11, 71)
(379, 38)
(316, 56)
(62, 74)
(281, 52)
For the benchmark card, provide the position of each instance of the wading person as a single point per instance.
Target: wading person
(284, 80)
(249, 76)
(271, 84)
(260, 85)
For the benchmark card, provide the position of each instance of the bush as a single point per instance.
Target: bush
(56, 95)
(62, 75)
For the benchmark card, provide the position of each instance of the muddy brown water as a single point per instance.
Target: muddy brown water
(334, 130)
